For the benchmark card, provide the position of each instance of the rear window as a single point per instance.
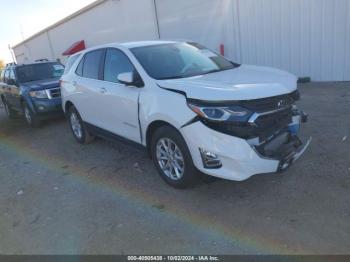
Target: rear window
(91, 64)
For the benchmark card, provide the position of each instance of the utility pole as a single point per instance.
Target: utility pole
(13, 57)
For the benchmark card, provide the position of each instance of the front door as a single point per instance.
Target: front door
(14, 96)
(119, 111)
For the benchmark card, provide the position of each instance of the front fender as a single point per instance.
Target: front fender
(165, 106)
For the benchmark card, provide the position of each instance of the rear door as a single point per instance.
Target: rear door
(118, 103)
(87, 86)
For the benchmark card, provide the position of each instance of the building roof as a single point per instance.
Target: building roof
(75, 14)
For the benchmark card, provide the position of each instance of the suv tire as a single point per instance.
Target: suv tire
(172, 158)
(9, 112)
(79, 130)
(32, 120)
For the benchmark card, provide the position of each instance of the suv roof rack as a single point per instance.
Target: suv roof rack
(42, 60)
(10, 64)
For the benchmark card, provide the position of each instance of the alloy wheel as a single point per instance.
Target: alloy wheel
(170, 158)
(76, 125)
(27, 115)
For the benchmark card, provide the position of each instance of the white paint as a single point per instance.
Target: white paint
(116, 109)
(304, 37)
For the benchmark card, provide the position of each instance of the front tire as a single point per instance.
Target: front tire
(172, 158)
(78, 128)
(11, 114)
(32, 120)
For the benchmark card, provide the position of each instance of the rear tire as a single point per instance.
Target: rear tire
(32, 119)
(11, 114)
(79, 130)
(172, 158)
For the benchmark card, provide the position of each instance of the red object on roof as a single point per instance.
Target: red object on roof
(75, 48)
(222, 49)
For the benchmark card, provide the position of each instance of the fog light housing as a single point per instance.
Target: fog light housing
(41, 108)
(210, 160)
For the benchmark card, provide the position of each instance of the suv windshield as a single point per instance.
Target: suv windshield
(35, 72)
(179, 60)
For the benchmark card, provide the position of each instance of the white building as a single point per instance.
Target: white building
(310, 38)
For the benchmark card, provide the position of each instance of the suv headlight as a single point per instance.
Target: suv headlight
(38, 94)
(218, 113)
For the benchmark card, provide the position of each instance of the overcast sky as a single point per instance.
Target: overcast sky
(23, 18)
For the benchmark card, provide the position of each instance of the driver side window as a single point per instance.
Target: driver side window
(116, 62)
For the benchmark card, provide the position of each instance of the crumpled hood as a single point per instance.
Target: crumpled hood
(242, 83)
(42, 84)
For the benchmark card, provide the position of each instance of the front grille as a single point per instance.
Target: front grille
(270, 103)
(272, 115)
(264, 126)
(267, 125)
(54, 93)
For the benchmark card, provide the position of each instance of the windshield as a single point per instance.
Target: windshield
(179, 60)
(35, 72)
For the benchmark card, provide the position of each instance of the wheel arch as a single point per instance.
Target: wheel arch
(152, 127)
(68, 104)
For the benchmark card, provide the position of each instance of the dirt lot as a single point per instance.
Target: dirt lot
(58, 197)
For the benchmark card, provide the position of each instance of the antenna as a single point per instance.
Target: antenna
(13, 57)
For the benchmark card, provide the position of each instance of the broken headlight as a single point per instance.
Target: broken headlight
(220, 113)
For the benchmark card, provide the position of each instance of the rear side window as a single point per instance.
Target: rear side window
(116, 62)
(79, 70)
(92, 64)
(70, 63)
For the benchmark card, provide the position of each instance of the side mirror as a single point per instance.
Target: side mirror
(126, 78)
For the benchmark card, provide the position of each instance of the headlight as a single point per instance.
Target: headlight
(218, 113)
(38, 94)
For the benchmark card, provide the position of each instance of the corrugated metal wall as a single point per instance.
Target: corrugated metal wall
(305, 37)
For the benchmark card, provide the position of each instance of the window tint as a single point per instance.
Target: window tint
(92, 64)
(116, 62)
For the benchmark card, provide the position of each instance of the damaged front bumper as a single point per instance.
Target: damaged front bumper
(287, 161)
(285, 148)
(237, 158)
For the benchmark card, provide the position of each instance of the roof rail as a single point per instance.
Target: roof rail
(42, 60)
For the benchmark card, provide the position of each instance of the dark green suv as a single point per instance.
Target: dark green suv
(32, 90)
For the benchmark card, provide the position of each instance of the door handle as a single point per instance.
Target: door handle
(103, 90)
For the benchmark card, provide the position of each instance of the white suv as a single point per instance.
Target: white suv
(191, 108)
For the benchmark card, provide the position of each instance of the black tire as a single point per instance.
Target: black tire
(30, 117)
(8, 110)
(190, 174)
(85, 137)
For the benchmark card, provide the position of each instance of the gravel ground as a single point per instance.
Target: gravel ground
(58, 197)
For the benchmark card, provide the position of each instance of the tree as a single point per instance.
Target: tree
(2, 64)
